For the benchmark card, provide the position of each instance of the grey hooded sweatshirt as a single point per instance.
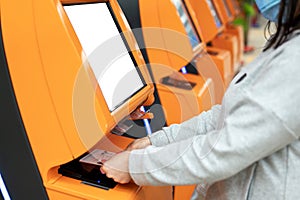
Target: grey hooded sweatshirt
(246, 148)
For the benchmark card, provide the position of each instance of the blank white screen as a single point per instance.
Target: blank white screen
(107, 54)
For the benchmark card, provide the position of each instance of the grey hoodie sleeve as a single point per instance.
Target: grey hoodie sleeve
(198, 125)
(251, 132)
(262, 117)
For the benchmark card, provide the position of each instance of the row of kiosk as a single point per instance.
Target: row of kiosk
(80, 75)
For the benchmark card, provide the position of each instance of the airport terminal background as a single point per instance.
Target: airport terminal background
(256, 40)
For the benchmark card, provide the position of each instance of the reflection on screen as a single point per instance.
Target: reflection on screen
(113, 67)
(214, 13)
(186, 21)
(227, 8)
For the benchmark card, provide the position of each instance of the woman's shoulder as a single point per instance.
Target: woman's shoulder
(284, 59)
(292, 46)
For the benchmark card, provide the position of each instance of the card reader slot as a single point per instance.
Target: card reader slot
(88, 173)
(182, 84)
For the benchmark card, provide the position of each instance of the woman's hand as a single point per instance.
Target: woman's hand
(139, 144)
(117, 167)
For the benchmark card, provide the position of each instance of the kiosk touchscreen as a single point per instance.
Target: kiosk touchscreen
(106, 51)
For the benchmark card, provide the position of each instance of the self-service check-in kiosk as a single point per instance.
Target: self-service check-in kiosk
(227, 13)
(237, 30)
(206, 27)
(170, 46)
(74, 79)
(213, 28)
(163, 23)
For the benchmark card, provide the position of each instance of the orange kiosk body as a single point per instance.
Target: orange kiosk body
(64, 111)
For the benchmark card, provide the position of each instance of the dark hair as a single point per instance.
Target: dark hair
(287, 23)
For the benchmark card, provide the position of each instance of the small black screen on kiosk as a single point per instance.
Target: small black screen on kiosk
(106, 51)
(214, 13)
(186, 21)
